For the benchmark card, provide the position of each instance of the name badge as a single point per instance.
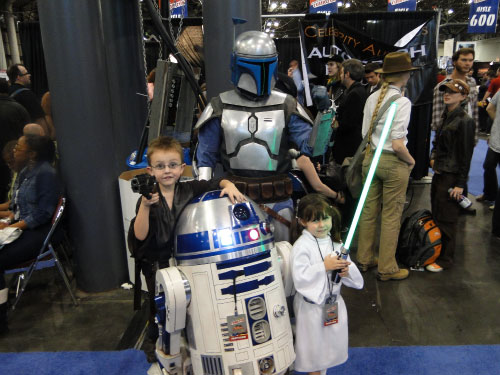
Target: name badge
(330, 312)
(237, 327)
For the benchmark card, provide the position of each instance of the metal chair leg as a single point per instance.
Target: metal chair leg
(21, 285)
(62, 272)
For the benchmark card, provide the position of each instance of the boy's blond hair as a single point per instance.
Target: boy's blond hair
(164, 143)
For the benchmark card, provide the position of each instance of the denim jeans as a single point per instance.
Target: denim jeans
(491, 161)
(495, 220)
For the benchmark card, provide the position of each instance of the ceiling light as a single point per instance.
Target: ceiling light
(269, 23)
(268, 29)
(284, 5)
(273, 6)
(276, 23)
(450, 11)
(340, 3)
(347, 5)
(271, 35)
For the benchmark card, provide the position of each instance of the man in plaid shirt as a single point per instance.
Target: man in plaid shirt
(462, 61)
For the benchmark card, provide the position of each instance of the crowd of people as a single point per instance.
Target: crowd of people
(29, 185)
(30, 188)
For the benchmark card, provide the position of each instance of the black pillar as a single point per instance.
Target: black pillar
(95, 68)
(218, 38)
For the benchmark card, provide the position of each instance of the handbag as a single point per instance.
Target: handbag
(352, 166)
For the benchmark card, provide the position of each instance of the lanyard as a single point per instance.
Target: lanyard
(323, 259)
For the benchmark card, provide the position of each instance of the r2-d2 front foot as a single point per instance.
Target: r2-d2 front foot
(166, 365)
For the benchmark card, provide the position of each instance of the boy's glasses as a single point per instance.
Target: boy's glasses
(160, 167)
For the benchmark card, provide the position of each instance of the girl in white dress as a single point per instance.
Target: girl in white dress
(321, 317)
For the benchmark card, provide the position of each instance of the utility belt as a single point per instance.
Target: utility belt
(314, 303)
(264, 189)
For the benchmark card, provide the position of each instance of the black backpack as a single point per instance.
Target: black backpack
(419, 241)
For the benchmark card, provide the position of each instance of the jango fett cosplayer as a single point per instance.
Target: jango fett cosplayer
(251, 128)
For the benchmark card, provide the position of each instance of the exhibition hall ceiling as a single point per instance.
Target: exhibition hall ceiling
(454, 14)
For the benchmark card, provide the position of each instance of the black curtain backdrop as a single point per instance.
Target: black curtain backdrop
(288, 50)
(393, 27)
(33, 59)
(389, 27)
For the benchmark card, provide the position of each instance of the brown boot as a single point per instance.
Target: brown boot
(366, 267)
(399, 275)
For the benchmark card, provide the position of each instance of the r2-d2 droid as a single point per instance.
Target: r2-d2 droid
(226, 293)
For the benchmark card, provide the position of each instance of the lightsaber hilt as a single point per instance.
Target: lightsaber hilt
(344, 253)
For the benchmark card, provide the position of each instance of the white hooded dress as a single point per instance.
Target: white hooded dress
(318, 347)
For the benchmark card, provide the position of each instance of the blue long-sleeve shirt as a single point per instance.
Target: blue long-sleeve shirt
(36, 193)
(209, 139)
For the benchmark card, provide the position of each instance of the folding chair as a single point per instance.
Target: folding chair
(46, 258)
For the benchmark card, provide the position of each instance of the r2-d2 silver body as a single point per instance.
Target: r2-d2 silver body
(227, 291)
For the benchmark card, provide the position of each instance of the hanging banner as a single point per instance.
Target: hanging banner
(323, 38)
(483, 16)
(178, 8)
(401, 5)
(323, 6)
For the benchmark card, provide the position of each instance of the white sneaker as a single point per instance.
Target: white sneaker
(434, 267)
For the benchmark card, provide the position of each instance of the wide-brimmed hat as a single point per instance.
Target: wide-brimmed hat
(336, 58)
(396, 62)
(456, 85)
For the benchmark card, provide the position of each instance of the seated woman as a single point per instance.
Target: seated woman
(36, 193)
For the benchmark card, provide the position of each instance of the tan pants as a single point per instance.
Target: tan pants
(387, 193)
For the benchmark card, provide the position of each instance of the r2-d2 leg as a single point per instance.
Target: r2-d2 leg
(172, 299)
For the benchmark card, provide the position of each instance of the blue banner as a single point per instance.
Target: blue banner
(323, 6)
(178, 8)
(483, 16)
(401, 5)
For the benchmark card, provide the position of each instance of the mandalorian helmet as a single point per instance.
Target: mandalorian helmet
(253, 63)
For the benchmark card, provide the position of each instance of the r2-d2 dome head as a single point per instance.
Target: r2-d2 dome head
(254, 62)
(212, 230)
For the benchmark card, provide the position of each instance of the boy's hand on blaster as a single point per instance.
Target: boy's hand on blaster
(332, 262)
(155, 198)
(232, 193)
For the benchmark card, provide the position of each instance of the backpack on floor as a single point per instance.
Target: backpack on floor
(419, 241)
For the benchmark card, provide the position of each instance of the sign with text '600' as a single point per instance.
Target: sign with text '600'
(483, 16)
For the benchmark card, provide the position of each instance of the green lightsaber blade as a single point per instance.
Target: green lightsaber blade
(371, 173)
